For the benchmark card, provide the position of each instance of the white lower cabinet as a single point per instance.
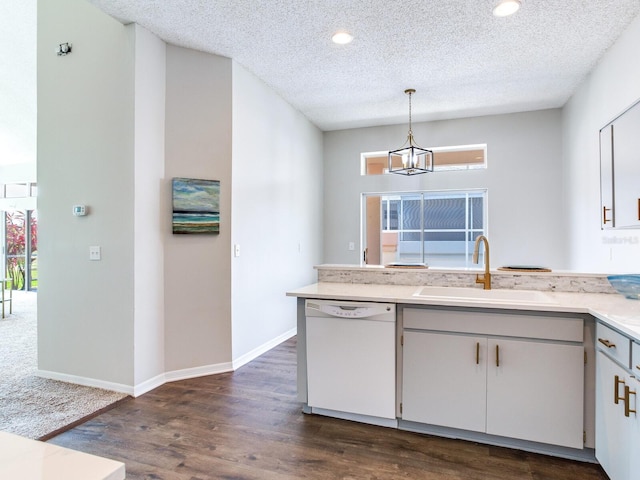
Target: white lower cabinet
(535, 392)
(634, 433)
(440, 371)
(634, 429)
(617, 423)
(522, 388)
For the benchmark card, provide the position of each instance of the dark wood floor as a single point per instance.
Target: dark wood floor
(248, 425)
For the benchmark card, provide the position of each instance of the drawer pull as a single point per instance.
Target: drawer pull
(478, 353)
(604, 215)
(616, 383)
(627, 394)
(638, 367)
(497, 355)
(607, 343)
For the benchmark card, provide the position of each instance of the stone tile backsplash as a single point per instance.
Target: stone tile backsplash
(549, 282)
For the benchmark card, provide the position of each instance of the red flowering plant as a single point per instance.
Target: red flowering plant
(16, 246)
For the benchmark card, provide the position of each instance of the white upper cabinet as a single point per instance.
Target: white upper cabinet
(606, 177)
(620, 171)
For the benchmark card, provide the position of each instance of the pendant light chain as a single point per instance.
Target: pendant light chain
(410, 129)
(410, 91)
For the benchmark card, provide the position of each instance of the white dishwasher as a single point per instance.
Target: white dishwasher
(351, 360)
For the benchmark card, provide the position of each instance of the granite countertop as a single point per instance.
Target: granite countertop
(612, 309)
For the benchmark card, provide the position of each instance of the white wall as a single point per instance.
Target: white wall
(523, 178)
(85, 156)
(150, 218)
(277, 212)
(609, 89)
(18, 112)
(119, 118)
(198, 267)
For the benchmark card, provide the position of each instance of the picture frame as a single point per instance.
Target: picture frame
(196, 206)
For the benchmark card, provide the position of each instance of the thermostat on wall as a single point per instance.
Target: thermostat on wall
(79, 210)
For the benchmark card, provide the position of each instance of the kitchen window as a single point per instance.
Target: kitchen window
(461, 157)
(438, 228)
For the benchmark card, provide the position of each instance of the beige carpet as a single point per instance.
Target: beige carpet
(31, 406)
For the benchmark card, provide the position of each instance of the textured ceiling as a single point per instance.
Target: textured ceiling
(461, 59)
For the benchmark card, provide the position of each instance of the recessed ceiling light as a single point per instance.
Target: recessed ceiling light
(342, 38)
(506, 8)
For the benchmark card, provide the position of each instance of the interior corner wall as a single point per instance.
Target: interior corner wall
(85, 156)
(523, 178)
(197, 267)
(149, 194)
(611, 87)
(277, 213)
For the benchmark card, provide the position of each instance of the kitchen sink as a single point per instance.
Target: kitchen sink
(489, 296)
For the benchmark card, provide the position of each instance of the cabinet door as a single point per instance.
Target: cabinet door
(626, 168)
(444, 380)
(634, 426)
(535, 391)
(606, 177)
(612, 434)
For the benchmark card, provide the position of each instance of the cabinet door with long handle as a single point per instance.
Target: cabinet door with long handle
(613, 429)
(632, 407)
(535, 391)
(606, 178)
(444, 379)
(626, 168)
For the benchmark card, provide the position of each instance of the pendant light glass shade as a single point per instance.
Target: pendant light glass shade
(410, 159)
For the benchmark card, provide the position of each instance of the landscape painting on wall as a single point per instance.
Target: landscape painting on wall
(196, 206)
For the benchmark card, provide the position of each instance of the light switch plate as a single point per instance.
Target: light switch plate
(95, 253)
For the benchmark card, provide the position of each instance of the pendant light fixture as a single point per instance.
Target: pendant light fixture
(411, 159)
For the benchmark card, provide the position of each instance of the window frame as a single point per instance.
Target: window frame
(470, 232)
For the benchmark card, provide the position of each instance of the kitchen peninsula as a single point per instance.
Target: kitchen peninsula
(512, 366)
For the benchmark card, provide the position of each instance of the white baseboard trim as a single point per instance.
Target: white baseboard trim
(194, 372)
(256, 352)
(148, 385)
(87, 382)
(172, 376)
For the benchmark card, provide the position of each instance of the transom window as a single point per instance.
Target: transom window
(463, 157)
(18, 190)
(437, 227)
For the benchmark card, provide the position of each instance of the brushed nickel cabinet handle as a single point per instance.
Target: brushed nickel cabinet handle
(607, 343)
(605, 220)
(497, 355)
(478, 353)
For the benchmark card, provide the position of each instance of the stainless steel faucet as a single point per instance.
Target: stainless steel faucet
(486, 278)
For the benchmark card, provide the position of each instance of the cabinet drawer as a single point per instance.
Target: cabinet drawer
(614, 344)
(568, 329)
(635, 358)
